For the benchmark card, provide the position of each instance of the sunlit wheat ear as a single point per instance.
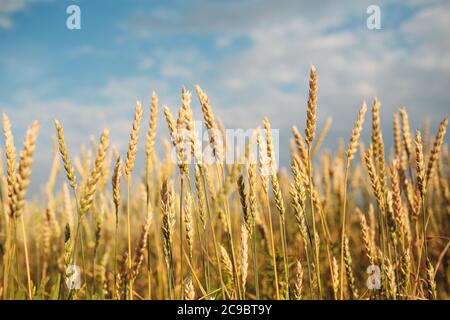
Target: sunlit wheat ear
(243, 199)
(377, 141)
(116, 182)
(366, 236)
(311, 117)
(270, 154)
(134, 135)
(431, 282)
(335, 277)
(151, 133)
(180, 141)
(175, 130)
(435, 149)
(348, 270)
(397, 135)
(303, 152)
(24, 169)
(196, 149)
(141, 248)
(210, 123)
(68, 210)
(354, 139)
(269, 143)
(189, 223)
(186, 98)
(170, 121)
(264, 161)
(244, 255)
(373, 177)
(389, 272)
(405, 271)
(406, 131)
(397, 204)
(91, 184)
(10, 152)
(420, 164)
(226, 264)
(189, 290)
(252, 202)
(168, 217)
(298, 195)
(67, 250)
(200, 195)
(298, 286)
(70, 172)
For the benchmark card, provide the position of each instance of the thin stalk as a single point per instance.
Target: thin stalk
(423, 246)
(255, 263)
(181, 235)
(309, 271)
(347, 167)
(15, 259)
(83, 259)
(233, 257)
(230, 237)
(27, 262)
(284, 249)
(272, 243)
(7, 262)
(130, 282)
(216, 248)
(147, 188)
(115, 247)
(77, 236)
(314, 247)
(203, 243)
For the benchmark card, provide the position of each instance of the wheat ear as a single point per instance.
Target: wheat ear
(311, 117)
(11, 158)
(70, 172)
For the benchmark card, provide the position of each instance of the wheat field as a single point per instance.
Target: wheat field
(358, 222)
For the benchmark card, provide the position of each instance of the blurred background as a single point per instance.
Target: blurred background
(251, 57)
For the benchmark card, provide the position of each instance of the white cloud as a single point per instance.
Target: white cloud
(10, 7)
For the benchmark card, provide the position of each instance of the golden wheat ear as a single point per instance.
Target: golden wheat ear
(11, 159)
(134, 135)
(70, 172)
(436, 148)
(24, 169)
(311, 117)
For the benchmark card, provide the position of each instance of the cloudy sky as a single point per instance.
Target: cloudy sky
(251, 57)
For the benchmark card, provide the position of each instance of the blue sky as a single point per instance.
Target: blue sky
(251, 57)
